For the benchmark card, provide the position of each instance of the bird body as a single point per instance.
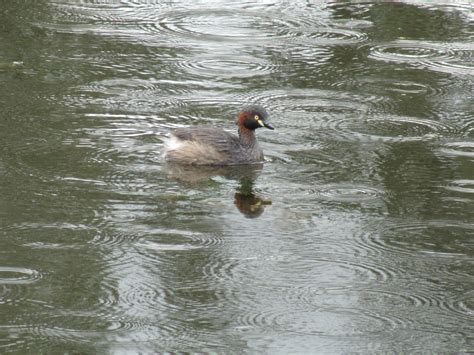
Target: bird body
(214, 146)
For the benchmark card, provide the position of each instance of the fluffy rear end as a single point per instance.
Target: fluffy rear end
(191, 152)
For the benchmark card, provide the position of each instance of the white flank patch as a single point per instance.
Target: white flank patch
(172, 143)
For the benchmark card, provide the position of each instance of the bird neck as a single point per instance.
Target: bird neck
(247, 137)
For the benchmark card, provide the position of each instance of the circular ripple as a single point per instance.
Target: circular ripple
(459, 149)
(327, 322)
(218, 25)
(14, 283)
(137, 297)
(464, 305)
(106, 239)
(163, 247)
(138, 300)
(443, 239)
(353, 23)
(393, 129)
(463, 186)
(360, 270)
(220, 270)
(314, 297)
(175, 240)
(227, 68)
(455, 66)
(462, 61)
(407, 87)
(331, 36)
(348, 193)
(18, 275)
(207, 239)
(70, 327)
(460, 269)
(337, 269)
(412, 52)
(444, 57)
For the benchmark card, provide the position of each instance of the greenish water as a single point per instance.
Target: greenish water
(356, 236)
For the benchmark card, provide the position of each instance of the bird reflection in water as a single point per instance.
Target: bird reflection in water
(247, 202)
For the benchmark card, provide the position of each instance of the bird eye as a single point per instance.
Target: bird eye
(256, 118)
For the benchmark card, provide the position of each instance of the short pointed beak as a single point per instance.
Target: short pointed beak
(268, 125)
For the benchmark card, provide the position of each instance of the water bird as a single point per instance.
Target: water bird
(215, 147)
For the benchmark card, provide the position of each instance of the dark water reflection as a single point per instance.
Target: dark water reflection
(247, 202)
(355, 236)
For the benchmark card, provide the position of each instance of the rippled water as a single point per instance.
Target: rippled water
(356, 236)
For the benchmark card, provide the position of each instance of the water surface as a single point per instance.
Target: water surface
(357, 235)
